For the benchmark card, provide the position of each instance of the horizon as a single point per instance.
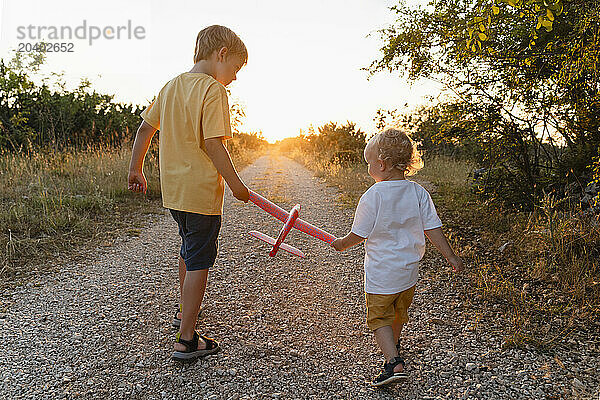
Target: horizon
(304, 64)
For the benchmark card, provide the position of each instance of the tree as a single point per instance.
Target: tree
(46, 114)
(523, 78)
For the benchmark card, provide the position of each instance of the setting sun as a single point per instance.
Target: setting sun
(304, 66)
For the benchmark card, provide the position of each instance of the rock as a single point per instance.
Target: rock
(471, 367)
(503, 247)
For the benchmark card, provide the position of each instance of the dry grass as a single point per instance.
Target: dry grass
(53, 204)
(244, 148)
(542, 268)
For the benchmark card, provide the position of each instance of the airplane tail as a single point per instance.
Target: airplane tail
(271, 241)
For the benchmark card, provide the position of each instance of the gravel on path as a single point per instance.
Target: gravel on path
(290, 328)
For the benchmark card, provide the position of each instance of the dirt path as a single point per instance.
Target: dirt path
(289, 328)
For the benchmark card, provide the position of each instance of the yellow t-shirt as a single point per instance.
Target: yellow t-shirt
(190, 108)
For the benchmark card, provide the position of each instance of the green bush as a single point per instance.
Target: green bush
(522, 82)
(34, 116)
(333, 143)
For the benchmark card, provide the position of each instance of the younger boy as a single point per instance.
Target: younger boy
(394, 216)
(192, 113)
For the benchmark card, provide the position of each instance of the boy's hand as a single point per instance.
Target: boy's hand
(337, 244)
(457, 263)
(242, 194)
(136, 182)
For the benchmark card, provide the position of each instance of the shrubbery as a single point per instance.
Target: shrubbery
(334, 143)
(34, 116)
(524, 99)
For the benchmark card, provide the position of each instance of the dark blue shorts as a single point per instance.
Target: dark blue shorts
(199, 234)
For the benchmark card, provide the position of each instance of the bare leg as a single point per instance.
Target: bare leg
(194, 286)
(181, 276)
(385, 340)
(397, 327)
(181, 280)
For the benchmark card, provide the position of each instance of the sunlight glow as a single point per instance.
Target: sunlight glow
(304, 65)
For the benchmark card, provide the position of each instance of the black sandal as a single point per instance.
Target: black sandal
(388, 375)
(177, 321)
(192, 352)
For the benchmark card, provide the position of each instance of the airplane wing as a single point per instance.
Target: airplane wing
(269, 207)
(282, 215)
(312, 230)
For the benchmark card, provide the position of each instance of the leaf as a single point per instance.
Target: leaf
(496, 10)
(547, 25)
(483, 37)
(476, 45)
(557, 8)
(482, 27)
(549, 15)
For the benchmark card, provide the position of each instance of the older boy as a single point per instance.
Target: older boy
(394, 216)
(192, 113)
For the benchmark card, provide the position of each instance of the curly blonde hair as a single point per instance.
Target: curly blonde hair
(397, 148)
(215, 37)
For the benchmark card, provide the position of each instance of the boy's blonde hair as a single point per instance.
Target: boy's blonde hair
(215, 37)
(398, 149)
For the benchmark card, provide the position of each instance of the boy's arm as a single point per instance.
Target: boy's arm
(220, 157)
(136, 181)
(351, 239)
(437, 237)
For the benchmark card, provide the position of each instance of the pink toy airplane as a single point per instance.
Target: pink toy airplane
(290, 220)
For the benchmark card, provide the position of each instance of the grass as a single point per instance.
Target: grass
(52, 204)
(541, 268)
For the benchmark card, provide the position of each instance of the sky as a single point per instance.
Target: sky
(304, 64)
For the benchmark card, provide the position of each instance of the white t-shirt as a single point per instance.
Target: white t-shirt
(393, 215)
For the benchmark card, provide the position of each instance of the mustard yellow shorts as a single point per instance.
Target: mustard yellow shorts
(383, 309)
